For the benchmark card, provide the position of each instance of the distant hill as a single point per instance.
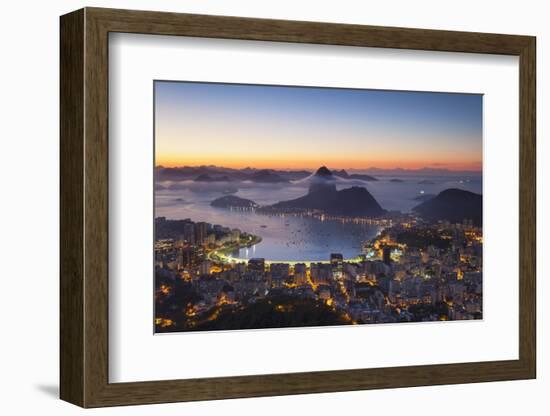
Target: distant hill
(293, 175)
(232, 201)
(193, 172)
(354, 201)
(207, 178)
(266, 176)
(453, 205)
(248, 173)
(343, 174)
(426, 171)
(397, 180)
(323, 196)
(324, 172)
(361, 177)
(322, 178)
(424, 197)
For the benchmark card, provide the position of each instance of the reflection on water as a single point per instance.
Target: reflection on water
(306, 238)
(298, 238)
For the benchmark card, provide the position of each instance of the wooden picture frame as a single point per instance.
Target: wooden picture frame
(84, 207)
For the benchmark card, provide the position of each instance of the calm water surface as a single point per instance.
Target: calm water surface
(296, 238)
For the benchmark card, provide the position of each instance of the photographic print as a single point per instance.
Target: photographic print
(290, 206)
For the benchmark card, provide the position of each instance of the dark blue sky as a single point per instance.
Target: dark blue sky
(296, 126)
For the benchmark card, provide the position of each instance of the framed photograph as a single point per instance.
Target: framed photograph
(257, 207)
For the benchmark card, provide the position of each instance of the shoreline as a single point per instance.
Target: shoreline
(226, 258)
(235, 260)
(223, 255)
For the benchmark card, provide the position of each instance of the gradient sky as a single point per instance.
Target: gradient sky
(237, 125)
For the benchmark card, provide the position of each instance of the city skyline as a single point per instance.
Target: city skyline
(232, 125)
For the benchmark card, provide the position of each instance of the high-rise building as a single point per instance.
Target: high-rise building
(189, 233)
(256, 265)
(300, 273)
(188, 256)
(337, 265)
(235, 235)
(211, 238)
(201, 230)
(320, 273)
(280, 269)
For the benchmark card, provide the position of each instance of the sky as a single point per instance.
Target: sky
(284, 127)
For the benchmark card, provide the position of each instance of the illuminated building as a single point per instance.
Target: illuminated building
(337, 265)
(320, 273)
(205, 266)
(201, 230)
(300, 273)
(256, 265)
(211, 238)
(189, 233)
(186, 257)
(280, 269)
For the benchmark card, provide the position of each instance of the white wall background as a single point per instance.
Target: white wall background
(29, 210)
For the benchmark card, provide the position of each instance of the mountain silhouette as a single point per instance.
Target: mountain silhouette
(354, 201)
(454, 205)
(343, 174)
(232, 201)
(207, 178)
(324, 172)
(266, 176)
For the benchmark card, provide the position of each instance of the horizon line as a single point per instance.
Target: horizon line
(306, 168)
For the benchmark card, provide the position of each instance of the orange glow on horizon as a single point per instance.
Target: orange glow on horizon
(282, 164)
(278, 127)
